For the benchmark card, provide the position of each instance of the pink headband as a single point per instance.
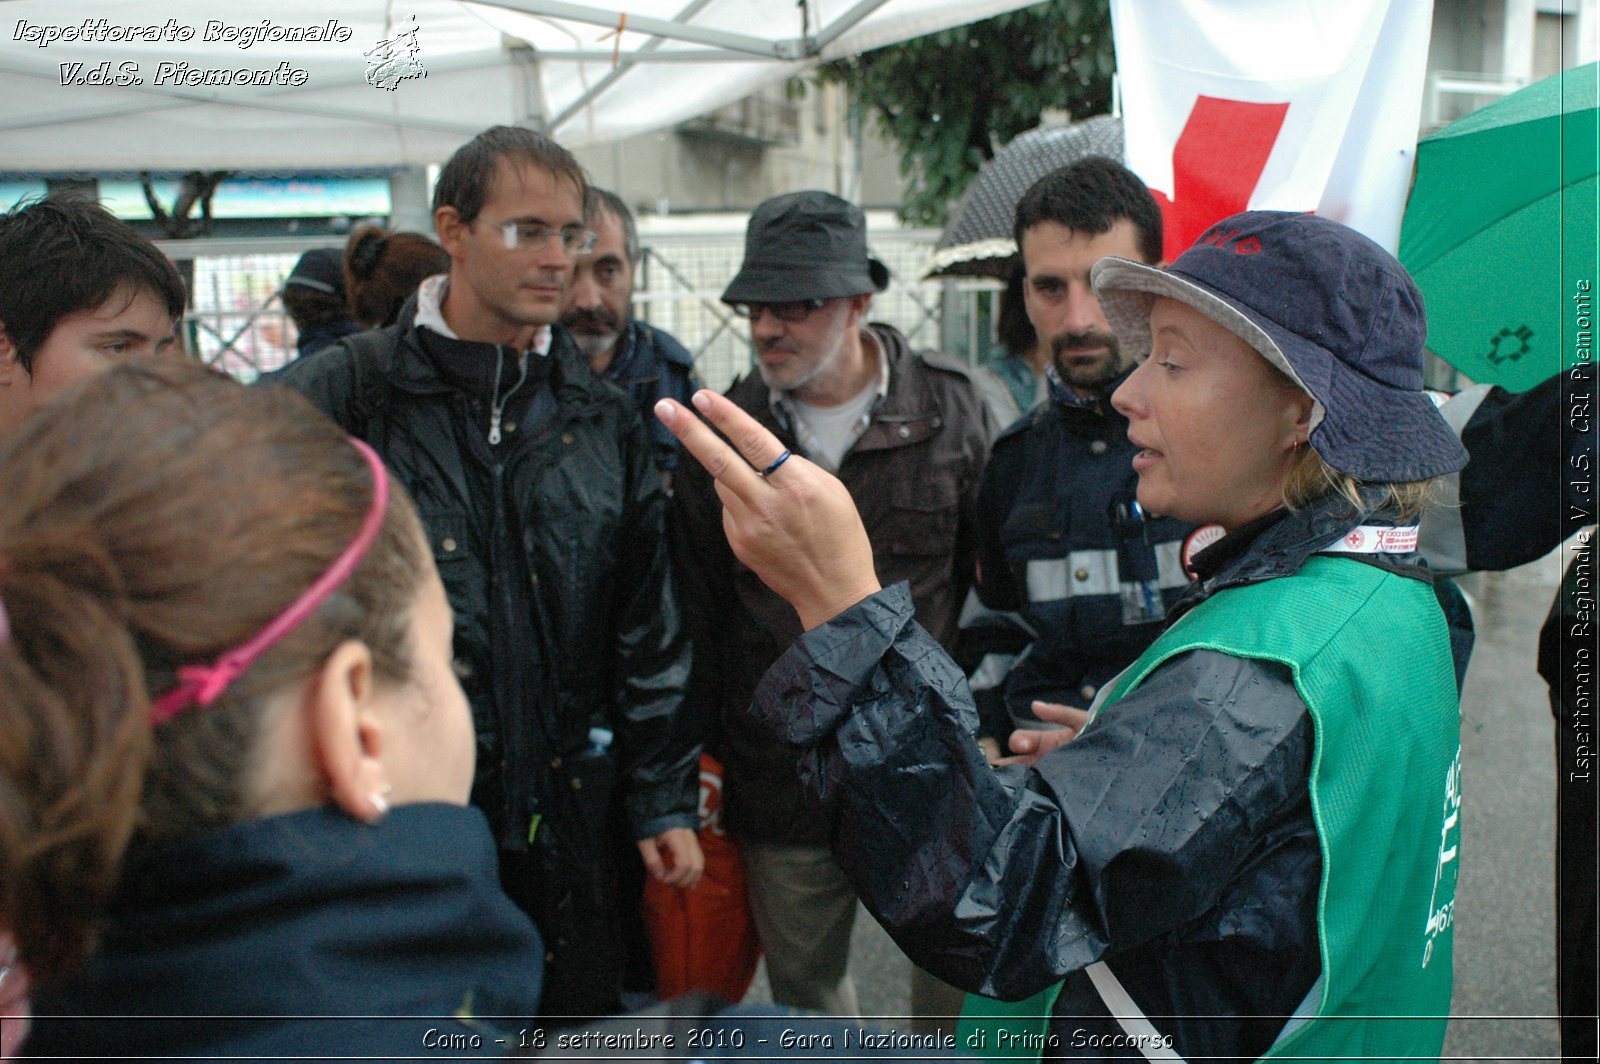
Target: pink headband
(5, 618)
(200, 685)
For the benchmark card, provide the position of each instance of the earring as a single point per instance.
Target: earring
(380, 802)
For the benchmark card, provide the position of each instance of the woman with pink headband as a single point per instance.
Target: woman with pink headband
(234, 759)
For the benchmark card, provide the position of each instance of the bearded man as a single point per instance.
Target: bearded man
(1062, 541)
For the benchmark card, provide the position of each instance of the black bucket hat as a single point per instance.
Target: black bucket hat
(1329, 308)
(806, 245)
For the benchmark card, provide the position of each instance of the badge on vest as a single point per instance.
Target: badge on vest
(1375, 539)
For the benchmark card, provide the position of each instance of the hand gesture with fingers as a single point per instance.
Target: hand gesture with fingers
(792, 523)
(1030, 744)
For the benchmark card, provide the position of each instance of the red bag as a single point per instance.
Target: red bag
(704, 938)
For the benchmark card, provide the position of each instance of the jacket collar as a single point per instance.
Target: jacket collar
(570, 375)
(1279, 543)
(1062, 396)
(639, 350)
(203, 912)
(430, 314)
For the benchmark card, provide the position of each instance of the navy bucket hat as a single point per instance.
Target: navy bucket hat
(1329, 308)
(805, 245)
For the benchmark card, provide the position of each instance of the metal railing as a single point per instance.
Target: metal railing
(237, 322)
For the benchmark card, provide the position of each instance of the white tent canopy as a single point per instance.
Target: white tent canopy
(561, 67)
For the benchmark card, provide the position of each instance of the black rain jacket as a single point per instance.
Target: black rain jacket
(304, 935)
(1055, 500)
(552, 551)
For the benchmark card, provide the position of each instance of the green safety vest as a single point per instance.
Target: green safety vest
(1370, 657)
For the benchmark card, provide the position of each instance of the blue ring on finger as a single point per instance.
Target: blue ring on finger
(776, 462)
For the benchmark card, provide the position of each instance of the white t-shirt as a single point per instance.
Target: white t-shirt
(828, 432)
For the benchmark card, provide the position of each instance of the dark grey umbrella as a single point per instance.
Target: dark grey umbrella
(977, 242)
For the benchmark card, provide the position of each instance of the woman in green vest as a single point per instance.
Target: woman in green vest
(1251, 849)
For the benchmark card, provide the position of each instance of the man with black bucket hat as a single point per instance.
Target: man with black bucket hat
(908, 433)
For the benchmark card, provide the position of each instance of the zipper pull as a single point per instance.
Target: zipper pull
(496, 404)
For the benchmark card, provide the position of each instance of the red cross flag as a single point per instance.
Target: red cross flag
(1295, 105)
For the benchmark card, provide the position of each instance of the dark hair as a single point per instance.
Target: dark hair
(164, 517)
(464, 181)
(381, 270)
(310, 309)
(1090, 196)
(64, 254)
(1013, 328)
(600, 199)
(313, 293)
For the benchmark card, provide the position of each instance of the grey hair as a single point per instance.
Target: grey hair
(599, 199)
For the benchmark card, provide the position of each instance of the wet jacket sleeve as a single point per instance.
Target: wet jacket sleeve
(1522, 491)
(659, 750)
(1002, 881)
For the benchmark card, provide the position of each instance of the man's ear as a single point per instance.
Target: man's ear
(452, 232)
(10, 364)
(347, 732)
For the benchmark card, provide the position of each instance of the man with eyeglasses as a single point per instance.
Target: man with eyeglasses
(545, 515)
(908, 433)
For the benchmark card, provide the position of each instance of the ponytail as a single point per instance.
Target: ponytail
(74, 748)
(381, 270)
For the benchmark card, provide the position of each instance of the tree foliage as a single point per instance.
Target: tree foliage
(949, 99)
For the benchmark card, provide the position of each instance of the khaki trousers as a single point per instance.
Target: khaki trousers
(804, 911)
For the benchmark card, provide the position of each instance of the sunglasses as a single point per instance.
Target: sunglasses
(797, 310)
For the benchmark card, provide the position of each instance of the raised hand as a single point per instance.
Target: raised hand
(794, 525)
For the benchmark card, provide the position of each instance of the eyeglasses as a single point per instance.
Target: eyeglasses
(535, 236)
(798, 310)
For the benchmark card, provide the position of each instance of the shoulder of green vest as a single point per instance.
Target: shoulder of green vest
(1290, 619)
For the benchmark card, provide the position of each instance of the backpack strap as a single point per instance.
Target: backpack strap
(372, 357)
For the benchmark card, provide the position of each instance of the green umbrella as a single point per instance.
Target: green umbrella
(1500, 232)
